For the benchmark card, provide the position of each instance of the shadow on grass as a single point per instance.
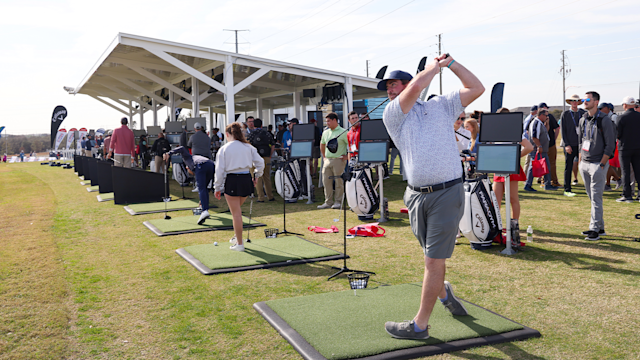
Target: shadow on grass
(311, 269)
(608, 240)
(510, 349)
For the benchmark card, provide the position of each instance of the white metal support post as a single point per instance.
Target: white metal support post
(130, 114)
(172, 103)
(195, 98)
(259, 111)
(155, 112)
(141, 104)
(211, 115)
(230, 94)
(347, 101)
(507, 200)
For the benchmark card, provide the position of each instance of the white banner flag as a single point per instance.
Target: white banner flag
(70, 137)
(61, 134)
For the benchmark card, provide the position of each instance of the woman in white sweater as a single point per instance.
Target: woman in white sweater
(234, 161)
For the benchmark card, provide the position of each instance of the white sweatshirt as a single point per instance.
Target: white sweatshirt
(236, 157)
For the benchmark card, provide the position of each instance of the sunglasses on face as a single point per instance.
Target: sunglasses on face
(574, 100)
(586, 100)
(461, 118)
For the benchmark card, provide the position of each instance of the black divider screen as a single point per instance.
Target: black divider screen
(93, 170)
(85, 167)
(105, 182)
(77, 164)
(134, 186)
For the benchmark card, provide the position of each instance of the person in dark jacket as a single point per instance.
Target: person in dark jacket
(629, 146)
(570, 121)
(596, 143)
(160, 147)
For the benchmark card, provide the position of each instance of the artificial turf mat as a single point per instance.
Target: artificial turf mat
(157, 207)
(85, 183)
(189, 224)
(93, 188)
(259, 254)
(105, 197)
(341, 325)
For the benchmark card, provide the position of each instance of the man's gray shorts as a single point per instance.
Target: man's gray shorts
(435, 219)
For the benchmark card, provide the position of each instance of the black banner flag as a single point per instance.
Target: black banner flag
(59, 114)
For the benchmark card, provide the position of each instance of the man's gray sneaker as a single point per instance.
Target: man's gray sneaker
(453, 304)
(405, 330)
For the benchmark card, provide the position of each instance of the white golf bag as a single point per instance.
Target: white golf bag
(288, 181)
(180, 174)
(481, 221)
(361, 194)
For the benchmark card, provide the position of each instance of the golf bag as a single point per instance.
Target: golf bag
(288, 181)
(481, 221)
(181, 175)
(361, 194)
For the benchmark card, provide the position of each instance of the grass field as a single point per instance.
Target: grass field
(81, 279)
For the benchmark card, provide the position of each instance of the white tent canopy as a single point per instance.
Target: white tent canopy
(156, 73)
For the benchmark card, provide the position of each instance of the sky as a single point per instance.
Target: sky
(47, 45)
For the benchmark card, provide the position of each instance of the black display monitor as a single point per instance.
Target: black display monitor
(501, 127)
(173, 126)
(498, 158)
(173, 138)
(301, 149)
(373, 130)
(372, 152)
(303, 132)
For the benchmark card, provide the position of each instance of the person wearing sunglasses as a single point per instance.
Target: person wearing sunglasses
(596, 143)
(569, 127)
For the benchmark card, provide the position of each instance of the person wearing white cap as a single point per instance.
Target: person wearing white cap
(199, 143)
(569, 127)
(628, 146)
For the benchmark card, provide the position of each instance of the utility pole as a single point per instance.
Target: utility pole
(565, 72)
(440, 53)
(367, 65)
(236, 31)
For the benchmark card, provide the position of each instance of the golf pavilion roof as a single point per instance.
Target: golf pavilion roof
(157, 73)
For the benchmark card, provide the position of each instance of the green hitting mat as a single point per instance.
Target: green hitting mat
(158, 207)
(189, 224)
(93, 188)
(105, 197)
(258, 254)
(342, 325)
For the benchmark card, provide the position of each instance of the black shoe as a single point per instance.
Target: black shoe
(593, 236)
(600, 232)
(260, 201)
(272, 199)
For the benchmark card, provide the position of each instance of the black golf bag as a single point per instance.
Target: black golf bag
(481, 221)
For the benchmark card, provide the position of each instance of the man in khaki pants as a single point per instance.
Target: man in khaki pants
(122, 145)
(334, 163)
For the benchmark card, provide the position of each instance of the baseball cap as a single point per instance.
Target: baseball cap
(541, 105)
(534, 108)
(197, 126)
(629, 100)
(394, 75)
(294, 121)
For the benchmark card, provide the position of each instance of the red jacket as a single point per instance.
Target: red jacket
(122, 141)
(353, 136)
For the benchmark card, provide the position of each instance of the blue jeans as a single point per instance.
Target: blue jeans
(547, 178)
(204, 175)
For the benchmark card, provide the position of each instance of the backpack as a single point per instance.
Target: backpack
(262, 140)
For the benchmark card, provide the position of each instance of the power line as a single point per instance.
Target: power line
(592, 46)
(236, 31)
(604, 61)
(358, 28)
(306, 17)
(325, 25)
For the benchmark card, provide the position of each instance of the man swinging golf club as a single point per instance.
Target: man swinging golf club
(423, 133)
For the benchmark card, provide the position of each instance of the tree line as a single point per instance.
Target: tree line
(13, 144)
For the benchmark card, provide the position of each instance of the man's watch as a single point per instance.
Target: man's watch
(602, 165)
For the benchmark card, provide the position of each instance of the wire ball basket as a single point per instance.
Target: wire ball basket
(358, 280)
(271, 232)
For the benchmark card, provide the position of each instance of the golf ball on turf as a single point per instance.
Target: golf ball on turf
(215, 243)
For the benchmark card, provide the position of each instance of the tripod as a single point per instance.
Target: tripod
(284, 164)
(345, 177)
